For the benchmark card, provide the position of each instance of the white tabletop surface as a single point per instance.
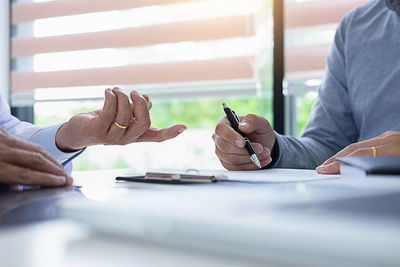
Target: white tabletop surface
(32, 234)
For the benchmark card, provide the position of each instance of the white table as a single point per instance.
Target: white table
(32, 234)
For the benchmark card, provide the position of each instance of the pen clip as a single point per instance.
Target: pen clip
(235, 116)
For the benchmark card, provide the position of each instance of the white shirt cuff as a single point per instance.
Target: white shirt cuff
(46, 137)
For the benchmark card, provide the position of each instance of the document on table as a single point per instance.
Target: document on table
(273, 176)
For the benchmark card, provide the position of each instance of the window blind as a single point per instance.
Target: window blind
(309, 31)
(176, 46)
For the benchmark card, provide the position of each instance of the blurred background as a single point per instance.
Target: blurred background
(188, 56)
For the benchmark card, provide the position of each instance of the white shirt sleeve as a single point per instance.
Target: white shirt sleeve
(43, 136)
(13, 125)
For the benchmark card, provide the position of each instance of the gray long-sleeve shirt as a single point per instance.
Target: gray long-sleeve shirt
(360, 96)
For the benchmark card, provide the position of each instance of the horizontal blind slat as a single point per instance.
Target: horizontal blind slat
(204, 70)
(199, 30)
(25, 12)
(305, 58)
(318, 12)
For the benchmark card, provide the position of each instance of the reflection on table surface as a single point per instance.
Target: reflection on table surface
(29, 217)
(21, 205)
(380, 197)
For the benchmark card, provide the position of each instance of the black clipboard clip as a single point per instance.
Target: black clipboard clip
(169, 178)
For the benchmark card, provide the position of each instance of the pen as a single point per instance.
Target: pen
(234, 120)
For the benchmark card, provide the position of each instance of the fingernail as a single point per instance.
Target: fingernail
(146, 97)
(244, 125)
(70, 180)
(323, 167)
(265, 154)
(239, 143)
(258, 149)
(265, 162)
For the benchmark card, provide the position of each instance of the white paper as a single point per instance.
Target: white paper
(274, 175)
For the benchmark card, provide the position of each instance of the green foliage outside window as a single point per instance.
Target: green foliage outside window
(204, 113)
(304, 104)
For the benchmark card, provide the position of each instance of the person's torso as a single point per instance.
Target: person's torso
(372, 54)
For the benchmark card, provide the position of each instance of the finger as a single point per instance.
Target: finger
(334, 167)
(244, 167)
(109, 110)
(343, 153)
(149, 104)
(367, 144)
(31, 160)
(228, 148)
(236, 159)
(16, 143)
(69, 181)
(160, 135)
(253, 123)
(123, 118)
(225, 131)
(146, 96)
(141, 121)
(387, 150)
(12, 174)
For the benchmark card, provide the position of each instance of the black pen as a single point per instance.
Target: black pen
(234, 120)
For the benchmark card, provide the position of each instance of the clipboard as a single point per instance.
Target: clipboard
(169, 178)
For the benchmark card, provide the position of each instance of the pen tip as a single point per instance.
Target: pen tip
(255, 160)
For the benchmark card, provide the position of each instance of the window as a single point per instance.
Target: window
(188, 56)
(309, 31)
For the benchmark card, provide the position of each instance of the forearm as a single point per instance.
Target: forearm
(301, 153)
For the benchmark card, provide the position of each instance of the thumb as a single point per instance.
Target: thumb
(253, 123)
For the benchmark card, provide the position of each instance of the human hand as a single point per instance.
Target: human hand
(387, 144)
(99, 127)
(23, 163)
(229, 145)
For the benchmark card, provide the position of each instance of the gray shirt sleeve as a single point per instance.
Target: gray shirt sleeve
(331, 125)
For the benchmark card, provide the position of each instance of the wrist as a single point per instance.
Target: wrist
(65, 140)
(274, 155)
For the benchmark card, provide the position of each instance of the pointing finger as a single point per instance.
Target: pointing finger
(253, 123)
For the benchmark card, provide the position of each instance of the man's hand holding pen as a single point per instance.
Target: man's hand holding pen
(230, 145)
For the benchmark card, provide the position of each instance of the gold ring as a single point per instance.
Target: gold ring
(119, 125)
(374, 153)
